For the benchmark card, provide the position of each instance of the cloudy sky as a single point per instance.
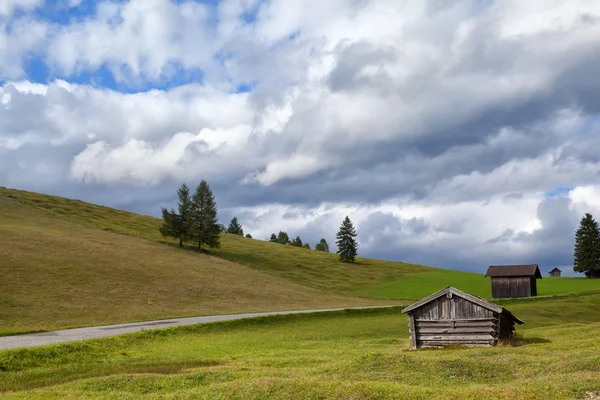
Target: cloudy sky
(457, 134)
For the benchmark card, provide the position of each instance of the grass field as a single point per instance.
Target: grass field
(343, 355)
(416, 286)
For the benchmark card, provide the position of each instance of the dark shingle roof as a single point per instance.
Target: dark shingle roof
(555, 269)
(514, 270)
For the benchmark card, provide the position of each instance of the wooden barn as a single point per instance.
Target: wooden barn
(453, 317)
(514, 280)
(555, 272)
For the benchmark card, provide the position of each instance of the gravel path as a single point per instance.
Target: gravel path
(70, 335)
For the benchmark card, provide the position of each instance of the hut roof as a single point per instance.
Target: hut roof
(470, 297)
(555, 269)
(514, 270)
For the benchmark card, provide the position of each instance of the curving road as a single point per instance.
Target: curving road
(70, 335)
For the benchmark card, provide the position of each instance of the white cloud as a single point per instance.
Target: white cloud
(7, 7)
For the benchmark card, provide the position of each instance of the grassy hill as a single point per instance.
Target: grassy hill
(342, 355)
(67, 262)
(56, 274)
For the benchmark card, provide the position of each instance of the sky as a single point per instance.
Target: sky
(457, 134)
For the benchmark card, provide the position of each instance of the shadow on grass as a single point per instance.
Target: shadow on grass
(519, 341)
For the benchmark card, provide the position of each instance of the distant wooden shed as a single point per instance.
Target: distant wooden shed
(555, 272)
(453, 317)
(514, 280)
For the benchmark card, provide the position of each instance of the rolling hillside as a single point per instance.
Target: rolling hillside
(68, 263)
(58, 274)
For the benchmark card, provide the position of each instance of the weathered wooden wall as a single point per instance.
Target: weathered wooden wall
(513, 286)
(454, 320)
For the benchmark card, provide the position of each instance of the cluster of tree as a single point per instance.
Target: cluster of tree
(283, 238)
(587, 247)
(346, 242)
(195, 219)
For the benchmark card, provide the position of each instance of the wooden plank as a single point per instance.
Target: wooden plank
(457, 320)
(456, 338)
(440, 344)
(426, 331)
(449, 324)
(413, 330)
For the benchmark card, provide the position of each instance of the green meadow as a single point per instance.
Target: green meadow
(339, 355)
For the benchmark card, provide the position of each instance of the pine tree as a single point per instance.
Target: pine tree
(345, 241)
(283, 238)
(306, 246)
(235, 227)
(587, 247)
(205, 228)
(297, 242)
(322, 245)
(273, 238)
(178, 224)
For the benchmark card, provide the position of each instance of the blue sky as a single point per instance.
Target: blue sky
(458, 134)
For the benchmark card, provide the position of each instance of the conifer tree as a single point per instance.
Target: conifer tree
(297, 242)
(178, 224)
(345, 241)
(322, 245)
(273, 238)
(235, 227)
(283, 238)
(306, 246)
(205, 228)
(587, 247)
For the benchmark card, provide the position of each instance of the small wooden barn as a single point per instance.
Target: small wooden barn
(514, 280)
(555, 272)
(451, 316)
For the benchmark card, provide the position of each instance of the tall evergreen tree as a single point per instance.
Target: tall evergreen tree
(178, 224)
(235, 227)
(587, 247)
(322, 245)
(273, 238)
(205, 228)
(306, 245)
(345, 241)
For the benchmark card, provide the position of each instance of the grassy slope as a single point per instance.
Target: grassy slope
(368, 278)
(336, 356)
(57, 274)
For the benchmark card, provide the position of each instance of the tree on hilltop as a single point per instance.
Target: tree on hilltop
(205, 228)
(273, 238)
(178, 224)
(345, 241)
(283, 238)
(297, 242)
(587, 247)
(235, 227)
(322, 245)
(306, 246)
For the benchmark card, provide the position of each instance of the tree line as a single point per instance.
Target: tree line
(195, 220)
(587, 247)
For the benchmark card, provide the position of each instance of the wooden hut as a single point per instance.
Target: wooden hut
(453, 317)
(514, 280)
(555, 272)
